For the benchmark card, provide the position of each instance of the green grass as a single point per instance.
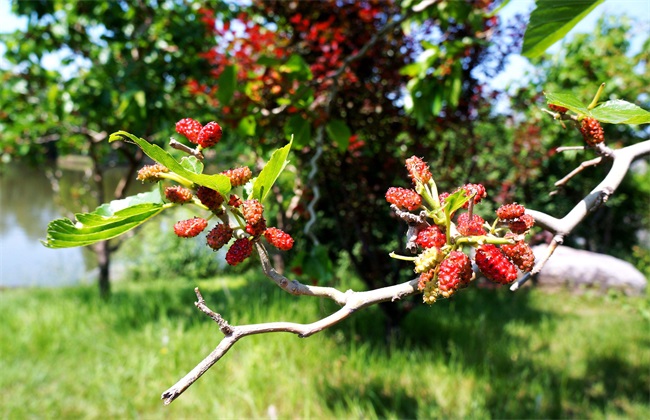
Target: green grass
(64, 353)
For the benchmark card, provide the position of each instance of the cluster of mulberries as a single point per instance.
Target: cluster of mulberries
(440, 234)
(243, 220)
(204, 136)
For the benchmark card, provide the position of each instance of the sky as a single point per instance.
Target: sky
(517, 66)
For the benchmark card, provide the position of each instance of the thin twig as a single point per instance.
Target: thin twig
(174, 144)
(622, 158)
(353, 301)
(579, 169)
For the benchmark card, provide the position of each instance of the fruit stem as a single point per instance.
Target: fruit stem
(594, 102)
(401, 257)
(484, 239)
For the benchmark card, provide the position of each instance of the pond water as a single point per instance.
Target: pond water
(29, 199)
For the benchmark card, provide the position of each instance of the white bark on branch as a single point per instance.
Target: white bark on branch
(622, 159)
(351, 301)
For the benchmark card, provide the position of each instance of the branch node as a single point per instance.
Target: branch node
(174, 144)
(225, 328)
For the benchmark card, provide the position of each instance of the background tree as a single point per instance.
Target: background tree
(122, 65)
(586, 61)
(334, 74)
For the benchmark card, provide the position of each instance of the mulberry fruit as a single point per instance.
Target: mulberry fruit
(476, 190)
(178, 194)
(279, 238)
(418, 170)
(592, 131)
(190, 228)
(427, 260)
(151, 173)
(239, 251)
(234, 201)
(209, 197)
(189, 128)
(520, 254)
(425, 278)
(209, 135)
(252, 210)
(521, 224)
(238, 176)
(431, 236)
(510, 211)
(494, 265)
(256, 229)
(219, 236)
(431, 292)
(557, 108)
(403, 198)
(472, 227)
(454, 272)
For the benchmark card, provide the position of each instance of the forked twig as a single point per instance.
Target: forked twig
(351, 302)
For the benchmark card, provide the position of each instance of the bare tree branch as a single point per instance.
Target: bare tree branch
(351, 302)
(622, 158)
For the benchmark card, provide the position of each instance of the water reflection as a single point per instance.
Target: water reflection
(28, 203)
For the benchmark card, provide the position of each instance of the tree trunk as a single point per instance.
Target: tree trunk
(103, 252)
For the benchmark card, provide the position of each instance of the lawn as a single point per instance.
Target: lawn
(65, 353)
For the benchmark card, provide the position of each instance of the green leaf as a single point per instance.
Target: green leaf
(227, 84)
(109, 209)
(620, 112)
(455, 201)
(270, 173)
(298, 66)
(299, 129)
(192, 164)
(339, 132)
(218, 182)
(93, 227)
(567, 100)
(551, 21)
(247, 126)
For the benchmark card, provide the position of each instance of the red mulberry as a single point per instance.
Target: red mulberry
(238, 176)
(557, 108)
(521, 224)
(256, 229)
(520, 254)
(431, 236)
(252, 210)
(209, 135)
(234, 201)
(425, 278)
(403, 198)
(494, 265)
(477, 190)
(454, 272)
(189, 128)
(472, 227)
(190, 228)
(510, 211)
(209, 197)
(279, 238)
(592, 131)
(239, 251)
(219, 236)
(418, 170)
(178, 194)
